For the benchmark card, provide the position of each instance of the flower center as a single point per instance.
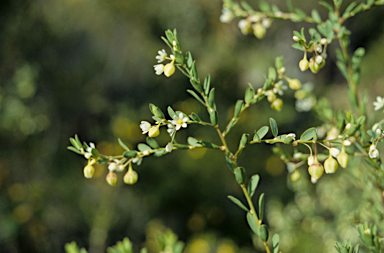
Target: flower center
(180, 121)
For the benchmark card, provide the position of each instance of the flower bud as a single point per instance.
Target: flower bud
(330, 165)
(131, 176)
(277, 104)
(316, 170)
(271, 96)
(245, 26)
(111, 178)
(343, 158)
(304, 64)
(169, 69)
(154, 131)
(112, 166)
(259, 30)
(169, 147)
(88, 171)
(313, 66)
(295, 38)
(294, 84)
(295, 176)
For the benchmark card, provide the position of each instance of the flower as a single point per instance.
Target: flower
(180, 121)
(171, 129)
(162, 56)
(292, 135)
(373, 152)
(88, 154)
(169, 147)
(305, 105)
(245, 26)
(112, 166)
(227, 16)
(145, 126)
(318, 59)
(379, 103)
(279, 88)
(159, 68)
(334, 152)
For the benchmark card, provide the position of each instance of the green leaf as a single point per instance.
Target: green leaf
(279, 62)
(229, 163)
(238, 107)
(159, 153)
(272, 73)
(144, 250)
(246, 6)
(179, 57)
(207, 83)
(301, 14)
(213, 116)
(327, 5)
(121, 143)
(169, 36)
(189, 60)
(211, 98)
(208, 144)
(238, 202)
(177, 145)
(196, 96)
(349, 9)
(308, 134)
(130, 154)
(102, 161)
(143, 147)
(194, 72)
(193, 142)
(171, 112)
(275, 243)
(74, 150)
(275, 130)
(261, 206)
(298, 47)
(262, 132)
(316, 16)
(159, 113)
(343, 69)
(243, 141)
(264, 7)
(196, 85)
(252, 223)
(95, 153)
(231, 125)
(195, 117)
(249, 93)
(240, 175)
(152, 142)
(264, 234)
(252, 185)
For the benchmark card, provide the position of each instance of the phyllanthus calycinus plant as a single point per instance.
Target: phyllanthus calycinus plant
(343, 135)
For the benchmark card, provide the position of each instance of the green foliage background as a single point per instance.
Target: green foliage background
(85, 67)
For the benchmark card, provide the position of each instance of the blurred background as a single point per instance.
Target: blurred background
(86, 67)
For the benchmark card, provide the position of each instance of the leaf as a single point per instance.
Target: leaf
(279, 62)
(238, 203)
(261, 206)
(243, 141)
(262, 132)
(343, 69)
(143, 147)
(246, 6)
(196, 85)
(249, 93)
(264, 234)
(316, 16)
(349, 9)
(252, 184)
(308, 134)
(169, 36)
(74, 150)
(208, 144)
(195, 117)
(193, 142)
(213, 116)
(327, 5)
(196, 96)
(121, 143)
(252, 223)
(229, 163)
(298, 47)
(159, 153)
(211, 98)
(232, 125)
(195, 74)
(264, 7)
(189, 60)
(152, 142)
(240, 175)
(274, 128)
(238, 107)
(207, 84)
(171, 112)
(272, 73)
(275, 243)
(130, 154)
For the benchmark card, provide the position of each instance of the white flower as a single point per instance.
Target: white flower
(162, 55)
(245, 26)
(88, 154)
(171, 129)
(310, 160)
(112, 166)
(159, 68)
(379, 103)
(227, 16)
(319, 48)
(279, 88)
(334, 152)
(291, 167)
(169, 147)
(180, 121)
(138, 159)
(318, 59)
(292, 135)
(145, 126)
(373, 152)
(266, 22)
(305, 105)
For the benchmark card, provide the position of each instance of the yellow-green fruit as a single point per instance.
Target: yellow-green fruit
(169, 69)
(330, 165)
(88, 171)
(295, 176)
(294, 84)
(313, 66)
(258, 30)
(111, 178)
(277, 104)
(154, 131)
(131, 177)
(304, 64)
(343, 159)
(316, 170)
